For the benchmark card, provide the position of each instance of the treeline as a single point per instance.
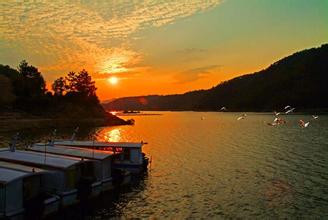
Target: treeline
(300, 80)
(24, 90)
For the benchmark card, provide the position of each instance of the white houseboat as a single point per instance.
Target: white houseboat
(63, 182)
(34, 188)
(102, 170)
(131, 156)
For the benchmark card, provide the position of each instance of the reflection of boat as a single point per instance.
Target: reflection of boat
(33, 185)
(67, 173)
(130, 156)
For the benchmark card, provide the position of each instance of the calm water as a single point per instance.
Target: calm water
(209, 165)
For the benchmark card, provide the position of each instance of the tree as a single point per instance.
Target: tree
(59, 86)
(7, 96)
(30, 82)
(9, 72)
(81, 83)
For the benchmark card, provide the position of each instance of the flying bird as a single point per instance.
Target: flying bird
(272, 124)
(315, 117)
(276, 113)
(289, 110)
(241, 117)
(277, 121)
(303, 124)
(287, 106)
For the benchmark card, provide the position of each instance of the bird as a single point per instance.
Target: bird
(272, 123)
(223, 108)
(289, 110)
(241, 117)
(315, 117)
(276, 113)
(277, 121)
(303, 124)
(287, 106)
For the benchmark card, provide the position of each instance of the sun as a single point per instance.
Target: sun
(113, 80)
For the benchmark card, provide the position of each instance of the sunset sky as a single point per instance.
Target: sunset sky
(157, 47)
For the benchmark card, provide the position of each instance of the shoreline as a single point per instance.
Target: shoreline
(13, 123)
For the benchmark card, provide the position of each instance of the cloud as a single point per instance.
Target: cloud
(194, 74)
(66, 35)
(191, 50)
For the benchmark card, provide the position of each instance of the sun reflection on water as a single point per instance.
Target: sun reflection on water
(113, 135)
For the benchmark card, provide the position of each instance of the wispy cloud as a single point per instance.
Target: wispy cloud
(194, 74)
(68, 35)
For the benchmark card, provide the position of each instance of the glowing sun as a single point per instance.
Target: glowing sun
(113, 80)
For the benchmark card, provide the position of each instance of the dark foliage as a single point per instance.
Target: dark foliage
(299, 80)
(24, 90)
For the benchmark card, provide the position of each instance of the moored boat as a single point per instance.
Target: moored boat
(46, 202)
(64, 180)
(21, 193)
(131, 156)
(103, 169)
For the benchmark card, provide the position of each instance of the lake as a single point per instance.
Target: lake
(209, 165)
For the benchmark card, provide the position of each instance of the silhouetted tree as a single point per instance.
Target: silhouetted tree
(81, 83)
(9, 72)
(59, 86)
(7, 97)
(30, 82)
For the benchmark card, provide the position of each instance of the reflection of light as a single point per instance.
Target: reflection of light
(113, 112)
(113, 135)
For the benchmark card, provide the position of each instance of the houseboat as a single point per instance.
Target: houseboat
(64, 182)
(103, 171)
(131, 156)
(34, 188)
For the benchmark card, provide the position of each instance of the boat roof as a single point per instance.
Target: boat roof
(36, 158)
(20, 167)
(8, 175)
(73, 151)
(100, 144)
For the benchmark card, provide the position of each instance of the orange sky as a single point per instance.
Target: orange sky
(154, 47)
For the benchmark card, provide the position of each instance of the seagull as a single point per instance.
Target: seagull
(277, 121)
(276, 113)
(223, 108)
(272, 124)
(303, 124)
(287, 106)
(241, 117)
(290, 110)
(315, 117)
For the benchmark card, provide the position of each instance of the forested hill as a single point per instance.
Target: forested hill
(300, 80)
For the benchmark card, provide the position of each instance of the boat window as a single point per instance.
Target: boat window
(126, 154)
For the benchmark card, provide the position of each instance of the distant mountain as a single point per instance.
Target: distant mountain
(299, 80)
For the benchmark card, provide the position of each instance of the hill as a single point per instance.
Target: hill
(299, 80)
